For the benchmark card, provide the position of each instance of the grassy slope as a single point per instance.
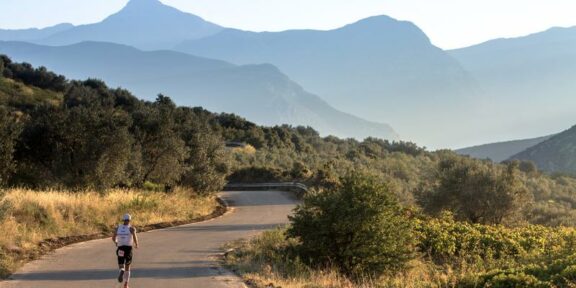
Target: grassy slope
(13, 93)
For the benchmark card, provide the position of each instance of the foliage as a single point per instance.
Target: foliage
(162, 150)
(270, 258)
(207, 163)
(359, 228)
(77, 147)
(82, 134)
(9, 133)
(169, 145)
(39, 77)
(479, 192)
(258, 175)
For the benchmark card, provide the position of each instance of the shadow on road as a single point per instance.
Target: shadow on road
(198, 269)
(261, 198)
(227, 228)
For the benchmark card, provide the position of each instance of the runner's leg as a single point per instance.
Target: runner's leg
(121, 266)
(128, 273)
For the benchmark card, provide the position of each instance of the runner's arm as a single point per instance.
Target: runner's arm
(114, 237)
(134, 236)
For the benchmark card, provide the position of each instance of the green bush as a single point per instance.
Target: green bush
(258, 174)
(359, 228)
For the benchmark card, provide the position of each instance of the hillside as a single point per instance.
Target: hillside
(557, 154)
(96, 137)
(145, 24)
(500, 151)
(530, 78)
(13, 93)
(379, 67)
(259, 92)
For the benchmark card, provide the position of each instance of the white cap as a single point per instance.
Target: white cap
(127, 217)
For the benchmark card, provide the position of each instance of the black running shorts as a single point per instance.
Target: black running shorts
(124, 254)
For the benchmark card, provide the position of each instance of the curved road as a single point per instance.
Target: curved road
(183, 256)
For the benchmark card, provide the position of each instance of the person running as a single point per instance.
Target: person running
(125, 238)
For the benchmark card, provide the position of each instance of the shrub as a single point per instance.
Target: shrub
(479, 192)
(359, 228)
(257, 174)
(9, 132)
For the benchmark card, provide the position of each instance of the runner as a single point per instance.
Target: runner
(125, 237)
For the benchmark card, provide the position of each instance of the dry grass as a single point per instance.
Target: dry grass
(266, 261)
(28, 217)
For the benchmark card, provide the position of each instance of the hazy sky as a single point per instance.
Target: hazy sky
(449, 23)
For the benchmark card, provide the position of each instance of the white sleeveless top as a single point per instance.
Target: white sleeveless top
(123, 236)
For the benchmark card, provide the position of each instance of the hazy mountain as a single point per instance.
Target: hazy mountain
(529, 79)
(379, 68)
(145, 24)
(501, 151)
(557, 154)
(32, 34)
(259, 92)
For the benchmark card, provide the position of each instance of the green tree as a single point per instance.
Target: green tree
(359, 227)
(162, 150)
(2, 65)
(9, 132)
(76, 147)
(206, 163)
(477, 191)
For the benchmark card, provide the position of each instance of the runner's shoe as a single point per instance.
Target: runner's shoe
(121, 276)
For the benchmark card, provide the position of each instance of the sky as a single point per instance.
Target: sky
(449, 23)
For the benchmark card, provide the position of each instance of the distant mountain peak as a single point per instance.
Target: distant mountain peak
(132, 3)
(383, 25)
(380, 21)
(145, 6)
(144, 24)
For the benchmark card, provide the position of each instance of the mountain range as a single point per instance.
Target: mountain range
(33, 34)
(528, 79)
(144, 24)
(379, 68)
(501, 151)
(259, 92)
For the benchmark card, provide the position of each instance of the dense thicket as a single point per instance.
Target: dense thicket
(87, 135)
(83, 134)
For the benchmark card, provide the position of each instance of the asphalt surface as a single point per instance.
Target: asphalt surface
(184, 256)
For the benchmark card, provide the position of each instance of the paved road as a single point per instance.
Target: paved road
(182, 256)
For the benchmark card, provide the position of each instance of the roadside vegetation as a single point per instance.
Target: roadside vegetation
(389, 214)
(381, 244)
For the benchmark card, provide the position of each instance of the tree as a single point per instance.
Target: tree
(9, 132)
(476, 191)
(206, 163)
(2, 66)
(359, 227)
(163, 151)
(78, 147)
